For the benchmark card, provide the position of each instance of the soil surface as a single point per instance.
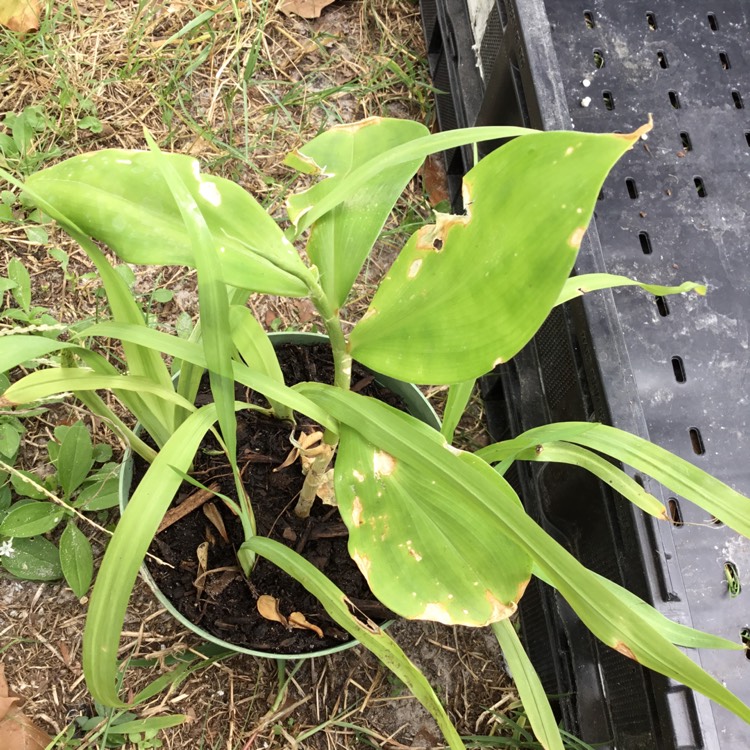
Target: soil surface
(227, 605)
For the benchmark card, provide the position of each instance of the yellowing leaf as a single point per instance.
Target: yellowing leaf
(20, 15)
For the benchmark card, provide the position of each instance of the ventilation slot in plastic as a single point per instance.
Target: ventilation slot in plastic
(696, 440)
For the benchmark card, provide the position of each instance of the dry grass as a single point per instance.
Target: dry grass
(238, 85)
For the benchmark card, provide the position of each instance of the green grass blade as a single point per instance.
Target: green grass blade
(577, 286)
(458, 397)
(529, 686)
(367, 633)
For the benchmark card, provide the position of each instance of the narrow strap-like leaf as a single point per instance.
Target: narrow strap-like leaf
(529, 686)
(458, 397)
(366, 632)
(577, 286)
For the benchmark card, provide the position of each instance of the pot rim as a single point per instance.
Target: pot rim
(421, 409)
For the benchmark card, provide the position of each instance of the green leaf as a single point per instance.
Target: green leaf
(342, 238)
(137, 727)
(455, 406)
(75, 458)
(679, 475)
(91, 123)
(577, 286)
(426, 553)
(76, 559)
(120, 198)
(99, 495)
(24, 488)
(31, 519)
(612, 475)
(191, 352)
(213, 299)
(529, 686)
(22, 291)
(256, 350)
(33, 560)
(162, 296)
(102, 452)
(367, 633)
(10, 440)
(36, 235)
(416, 149)
(474, 484)
(125, 553)
(124, 310)
(483, 283)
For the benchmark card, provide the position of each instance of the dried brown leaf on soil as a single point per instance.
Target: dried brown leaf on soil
(212, 514)
(17, 732)
(20, 15)
(268, 607)
(305, 8)
(299, 621)
(435, 180)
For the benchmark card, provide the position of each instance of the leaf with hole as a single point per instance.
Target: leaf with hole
(468, 292)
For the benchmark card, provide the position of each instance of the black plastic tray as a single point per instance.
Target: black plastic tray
(675, 370)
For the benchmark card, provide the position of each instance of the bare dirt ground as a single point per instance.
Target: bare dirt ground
(238, 90)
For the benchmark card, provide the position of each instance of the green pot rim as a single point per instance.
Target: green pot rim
(419, 407)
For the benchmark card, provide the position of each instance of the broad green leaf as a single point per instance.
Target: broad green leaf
(455, 406)
(577, 286)
(102, 452)
(341, 239)
(10, 440)
(425, 553)
(75, 458)
(31, 519)
(367, 633)
(408, 538)
(124, 309)
(470, 291)
(256, 349)
(27, 488)
(126, 550)
(18, 273)
(120, 198)
(618, 625)
(191, 352)
(535, 702)
(99, 495)
(76, 559)
(416, 149)
(33, 560)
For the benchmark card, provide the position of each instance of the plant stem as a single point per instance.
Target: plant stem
(342, 367)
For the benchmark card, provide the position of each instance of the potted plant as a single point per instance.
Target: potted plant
(437, 532)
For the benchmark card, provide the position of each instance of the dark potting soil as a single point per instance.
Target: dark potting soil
(226, 607)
